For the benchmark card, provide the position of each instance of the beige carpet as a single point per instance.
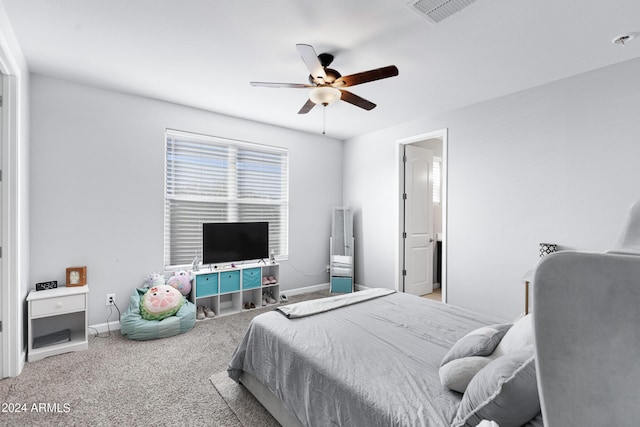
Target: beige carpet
(120, 382)
(249, 412)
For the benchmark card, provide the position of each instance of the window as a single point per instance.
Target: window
(437, 179)
(210, 179)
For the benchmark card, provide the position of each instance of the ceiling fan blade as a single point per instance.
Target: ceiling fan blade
(310, 58)
(366, 76)
(307, 107)
(289, 85)
(356, 100)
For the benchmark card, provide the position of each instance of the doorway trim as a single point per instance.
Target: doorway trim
(441, 133)
(12, 215)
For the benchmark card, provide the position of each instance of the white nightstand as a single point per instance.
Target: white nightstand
(55, 310)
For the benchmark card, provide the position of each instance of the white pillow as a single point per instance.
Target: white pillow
(505, 391)
(457, 374)
(517, 337)
(470, 354)
(480, 342)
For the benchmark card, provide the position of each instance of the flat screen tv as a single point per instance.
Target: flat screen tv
(234, 241)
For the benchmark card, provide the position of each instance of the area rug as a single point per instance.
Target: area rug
(247, 409)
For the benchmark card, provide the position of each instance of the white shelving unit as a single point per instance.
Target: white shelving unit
(55, 310)
(226, 290)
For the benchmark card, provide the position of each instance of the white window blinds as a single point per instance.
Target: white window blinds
(210, 179)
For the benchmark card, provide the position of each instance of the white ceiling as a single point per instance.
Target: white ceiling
(203, 53)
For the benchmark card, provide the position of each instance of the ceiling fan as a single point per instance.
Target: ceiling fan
(326, 83)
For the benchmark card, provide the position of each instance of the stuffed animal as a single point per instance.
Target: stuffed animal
(160, 302)
(181, 280)
(154, 279)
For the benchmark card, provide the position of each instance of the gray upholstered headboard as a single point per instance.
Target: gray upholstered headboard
(586, 321)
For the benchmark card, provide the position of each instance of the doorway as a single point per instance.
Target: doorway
(13, 213)
(421, 246)
(1, 212)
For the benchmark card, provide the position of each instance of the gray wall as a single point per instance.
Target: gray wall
(97, 187)
(556, 163)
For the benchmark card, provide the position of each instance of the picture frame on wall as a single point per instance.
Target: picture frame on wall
(76, 276)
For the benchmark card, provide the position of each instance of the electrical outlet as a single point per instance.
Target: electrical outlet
(111, 298)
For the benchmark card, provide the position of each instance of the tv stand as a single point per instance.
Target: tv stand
(226, 290)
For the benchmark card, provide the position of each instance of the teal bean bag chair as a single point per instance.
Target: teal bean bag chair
(135, 327)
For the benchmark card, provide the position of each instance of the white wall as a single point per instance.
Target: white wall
(556, 163)
(97, 187)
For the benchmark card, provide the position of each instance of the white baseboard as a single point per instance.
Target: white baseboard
(102, 327)
(115, 325)
(306, 289)
(23, 360)
(321, 287)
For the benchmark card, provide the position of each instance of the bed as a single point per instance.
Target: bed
(374, 362)
(379, 361)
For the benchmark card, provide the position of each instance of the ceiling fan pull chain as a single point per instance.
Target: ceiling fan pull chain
(324, 120)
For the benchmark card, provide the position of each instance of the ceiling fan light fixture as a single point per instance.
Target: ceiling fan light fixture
(327, 85)
(324, 95)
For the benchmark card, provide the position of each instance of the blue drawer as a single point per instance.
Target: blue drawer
(229, 281)
(206, 284)
(341, 284)
(251, 278)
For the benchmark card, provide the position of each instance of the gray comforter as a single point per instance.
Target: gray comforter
(368, 364)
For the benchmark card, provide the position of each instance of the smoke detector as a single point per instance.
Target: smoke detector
(437, 10)
(623, 39)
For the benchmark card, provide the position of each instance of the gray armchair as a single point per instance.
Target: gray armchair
(586, 322)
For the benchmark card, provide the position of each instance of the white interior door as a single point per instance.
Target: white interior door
(418, 221)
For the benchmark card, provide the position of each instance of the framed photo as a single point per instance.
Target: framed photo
(76, 276)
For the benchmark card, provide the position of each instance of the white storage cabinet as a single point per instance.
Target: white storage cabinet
(54, 310)
(226, 290)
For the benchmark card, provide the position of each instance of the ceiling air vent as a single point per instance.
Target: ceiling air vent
(437, 10)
